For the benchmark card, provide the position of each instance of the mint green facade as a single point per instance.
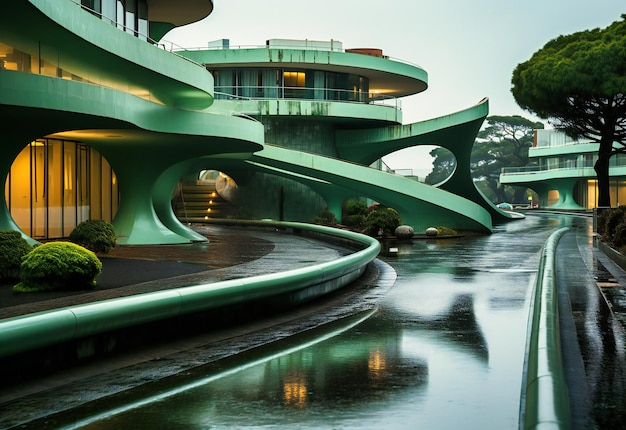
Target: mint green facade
(296, 125)
(562, 172)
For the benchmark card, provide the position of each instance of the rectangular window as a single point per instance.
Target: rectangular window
(55, 188)
(294, 79)
(69, 187)
(119, 14)
(108, 11)
(83, 188)
(293, 84)
(39, 202)
(130, 19)
(142, 20)
(92, 6)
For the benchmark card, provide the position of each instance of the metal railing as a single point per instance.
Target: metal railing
(565, 165)
(545, 397)
(42, 329)
(239, 92)
(175, 47)
(162, 44)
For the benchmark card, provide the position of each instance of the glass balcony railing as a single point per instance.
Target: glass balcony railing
(565, 165)
(303, 93)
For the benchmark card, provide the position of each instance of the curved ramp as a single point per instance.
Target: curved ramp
(455, 132)
(419, 205)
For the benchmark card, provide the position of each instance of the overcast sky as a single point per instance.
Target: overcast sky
(469, 48)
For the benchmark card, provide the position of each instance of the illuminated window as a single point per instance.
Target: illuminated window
(294, 79)
(294, 84)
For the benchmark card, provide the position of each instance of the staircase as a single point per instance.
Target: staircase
(198, 201)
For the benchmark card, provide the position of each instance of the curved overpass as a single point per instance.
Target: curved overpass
(418, 204)
(455, 132)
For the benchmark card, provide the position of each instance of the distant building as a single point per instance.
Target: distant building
(561, 171)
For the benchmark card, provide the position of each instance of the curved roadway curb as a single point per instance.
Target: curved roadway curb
(545, 397)
(21, 334)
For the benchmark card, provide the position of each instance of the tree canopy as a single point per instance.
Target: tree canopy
(578, 83)
(444, 164)
(503, 142)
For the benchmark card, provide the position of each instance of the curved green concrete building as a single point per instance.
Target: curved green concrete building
(561, 172)
(100, 122)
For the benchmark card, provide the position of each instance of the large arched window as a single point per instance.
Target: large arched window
(55, 184)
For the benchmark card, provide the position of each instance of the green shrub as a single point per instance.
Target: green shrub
(619, 237)
(613, 219)
(326, 217)
(382, 218)
(355, 222)
(13, 247)
(355, 207)
(354, 213)
(96, 235)
(58, 266)
(446, 231)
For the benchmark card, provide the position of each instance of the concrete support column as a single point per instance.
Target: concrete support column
(138, 168)
(162, 201)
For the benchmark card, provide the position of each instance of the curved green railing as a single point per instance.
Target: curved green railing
(38, 330)
(545, 397)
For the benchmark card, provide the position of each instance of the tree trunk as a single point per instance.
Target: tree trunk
(602, 171)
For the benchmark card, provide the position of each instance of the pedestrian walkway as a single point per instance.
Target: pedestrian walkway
(251, 251)
(590, 334)
(231, 253)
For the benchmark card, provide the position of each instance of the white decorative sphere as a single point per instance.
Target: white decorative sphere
(431, 232)
(404, 232)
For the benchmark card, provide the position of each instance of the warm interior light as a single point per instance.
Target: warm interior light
(294, 79)
(377, 364)
(9, 65)
(295, 390)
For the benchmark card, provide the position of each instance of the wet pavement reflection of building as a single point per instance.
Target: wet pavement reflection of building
(444, 349)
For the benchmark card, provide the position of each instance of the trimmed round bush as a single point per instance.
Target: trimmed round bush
(382, 220)
(13, 248)
(58, 266)
(95, 234)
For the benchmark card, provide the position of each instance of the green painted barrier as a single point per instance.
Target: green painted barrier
(545, 397)
(29, 332)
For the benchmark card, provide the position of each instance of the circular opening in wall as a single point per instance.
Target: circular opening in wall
(429, 164)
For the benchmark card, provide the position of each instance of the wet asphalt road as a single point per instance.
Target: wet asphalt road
(441, 347)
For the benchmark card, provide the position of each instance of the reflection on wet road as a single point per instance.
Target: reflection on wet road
(444, 350)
